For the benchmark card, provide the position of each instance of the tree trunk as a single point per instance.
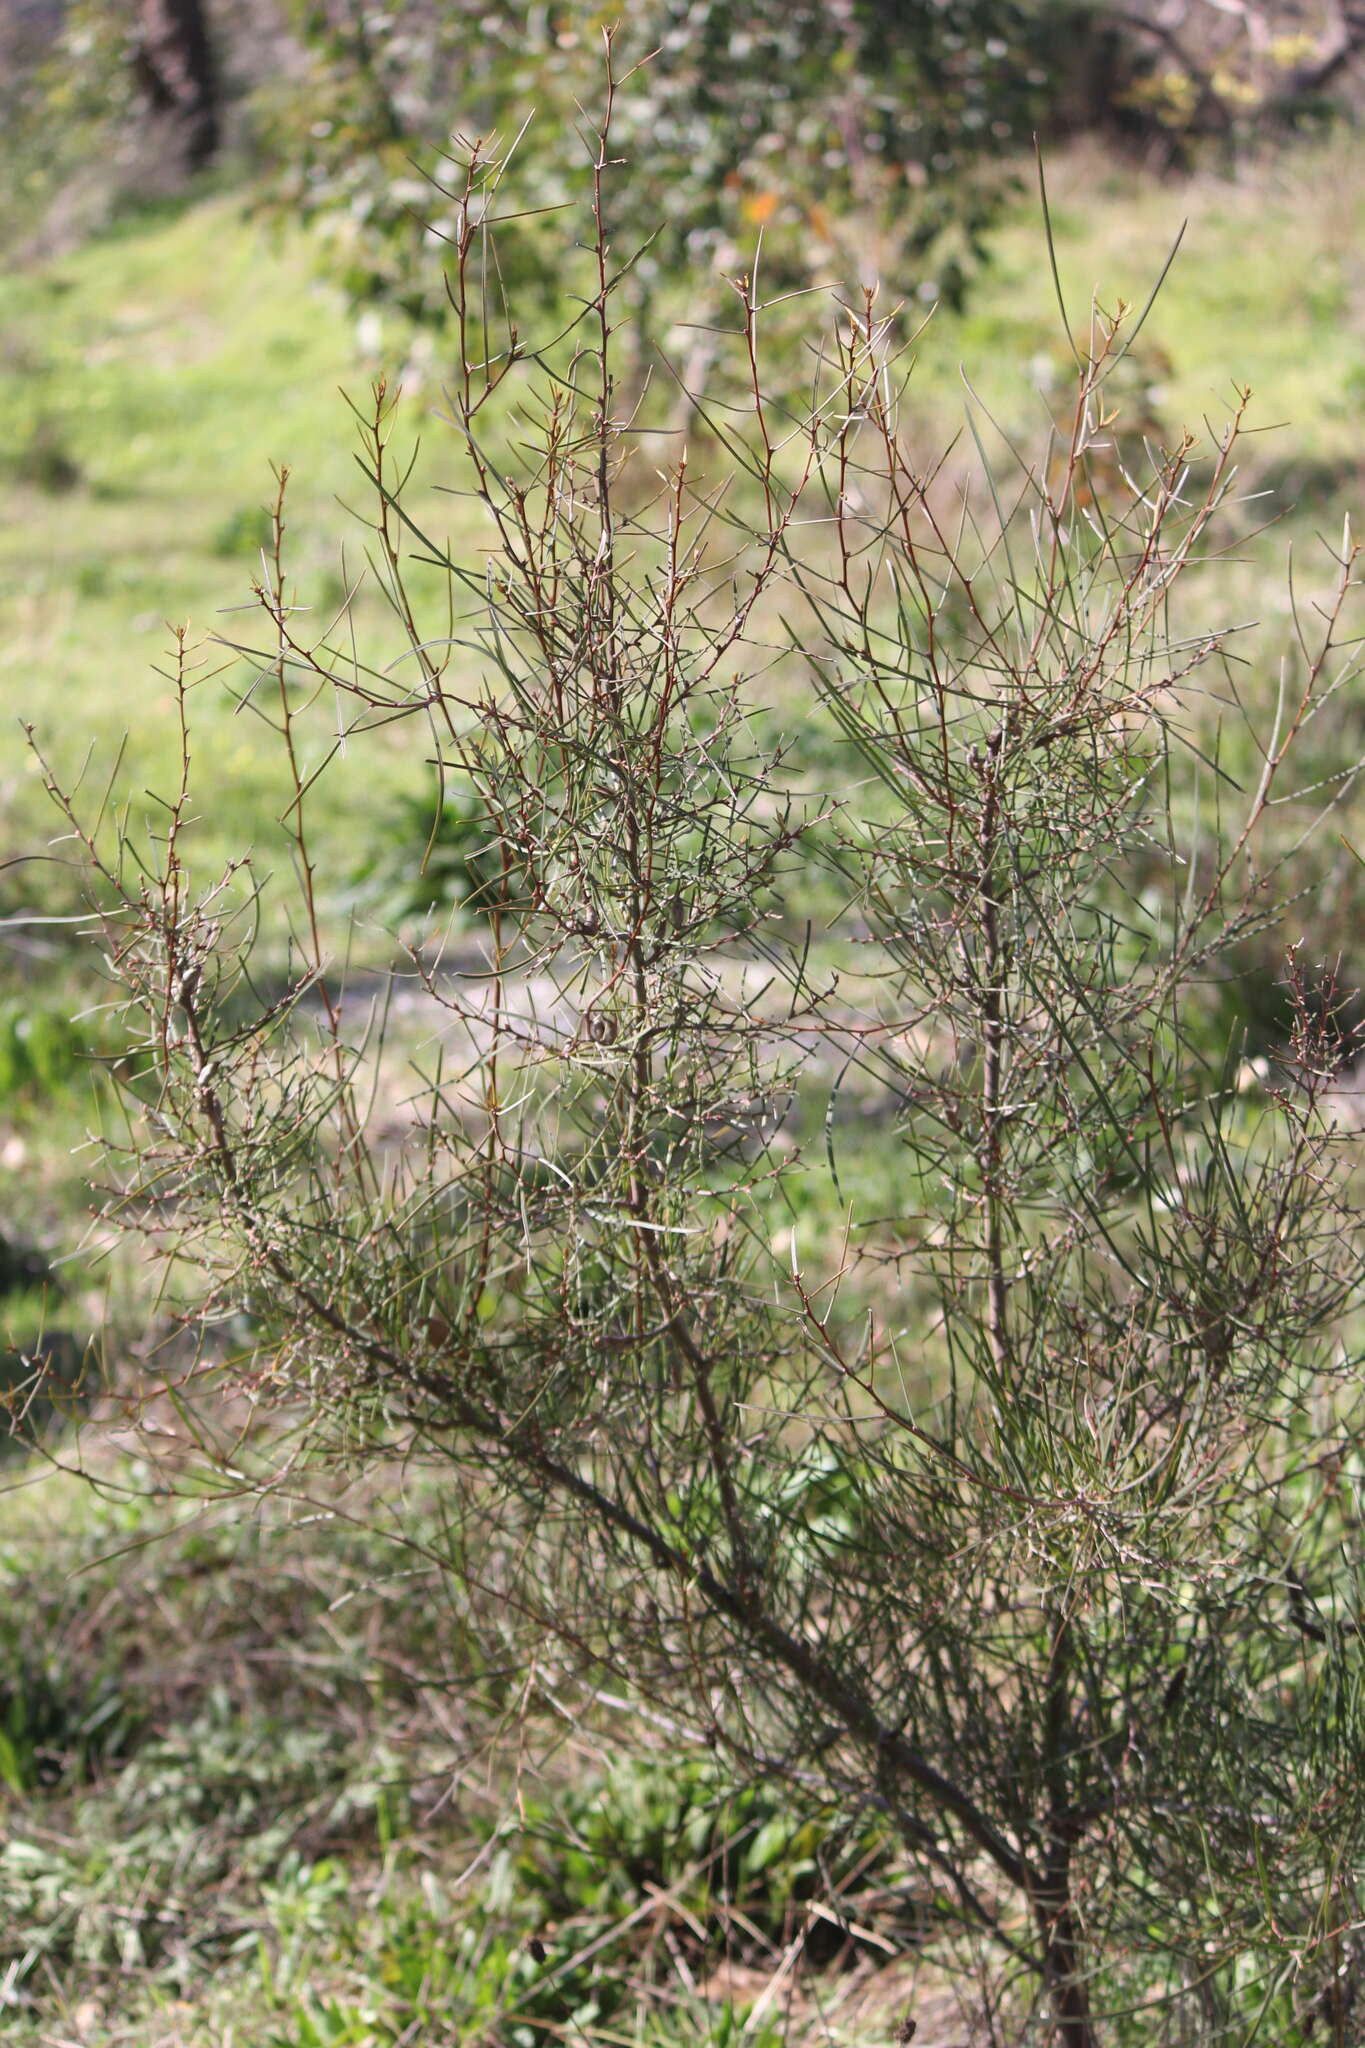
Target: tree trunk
(1062, 1973)
(175, 69)
(1066, 1987)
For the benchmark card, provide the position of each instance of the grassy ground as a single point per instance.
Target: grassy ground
(230, 1814)
(1267, 290)
(159, 372)
(150, 382)
(233, 1813)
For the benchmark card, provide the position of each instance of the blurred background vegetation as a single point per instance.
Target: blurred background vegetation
(227, 1795)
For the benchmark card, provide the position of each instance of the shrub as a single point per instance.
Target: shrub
(1018, 1521)
(44, 460)
(897, 112)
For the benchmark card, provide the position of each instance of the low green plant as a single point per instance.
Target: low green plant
(42, 1052)
(432, 856)
(739, 1859)
(244, 532)
(44, 460)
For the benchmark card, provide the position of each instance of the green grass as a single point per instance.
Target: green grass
(171, 368)
(170, 364)
(156, 374)
(1266, 290)
(231, 1812)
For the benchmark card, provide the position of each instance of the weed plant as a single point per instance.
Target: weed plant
(1016, 1522)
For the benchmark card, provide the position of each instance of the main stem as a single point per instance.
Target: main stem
(1054, 1904)
(1058, 1927)
(992, 1008)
